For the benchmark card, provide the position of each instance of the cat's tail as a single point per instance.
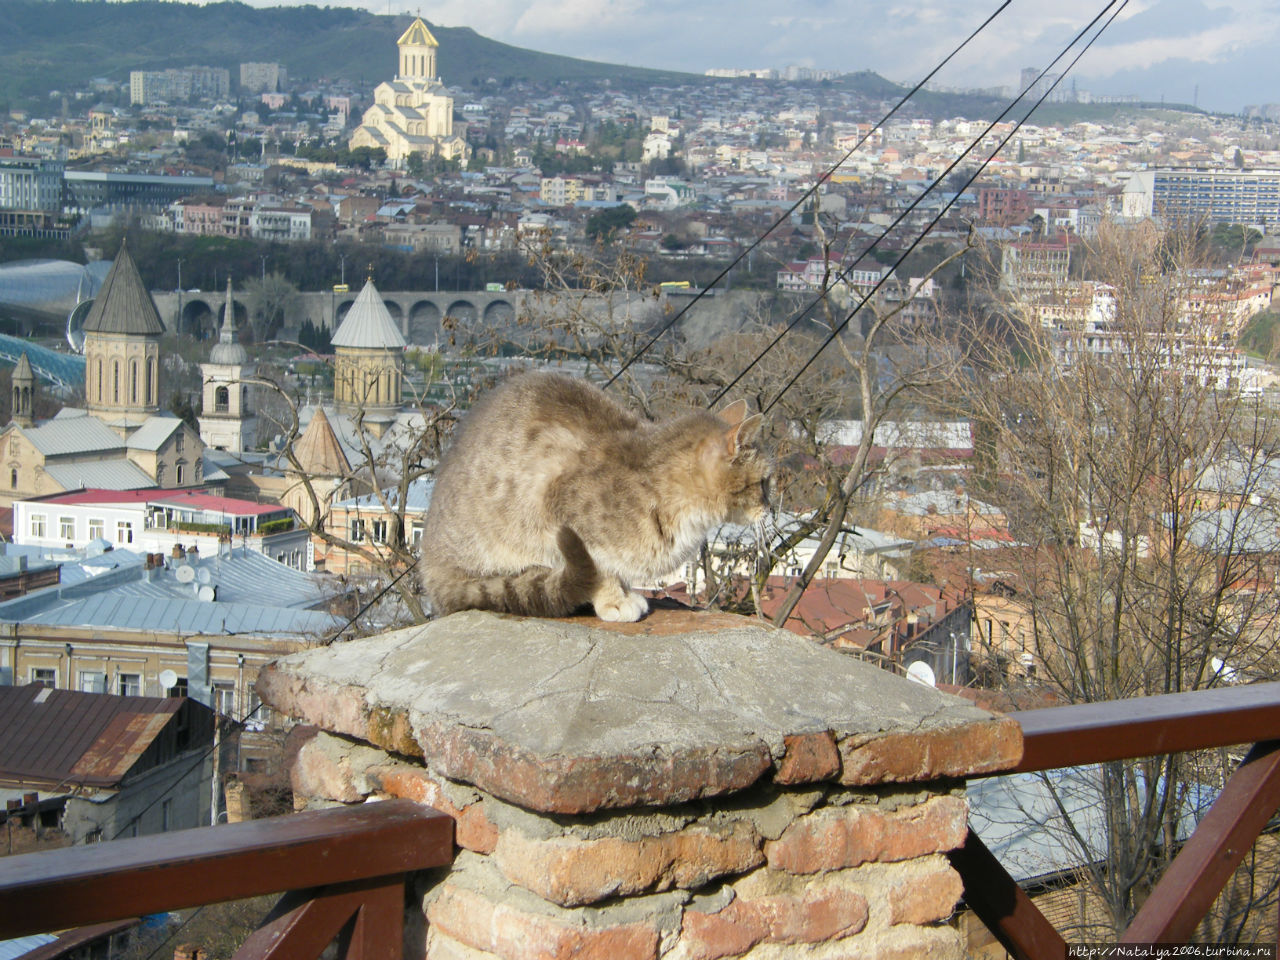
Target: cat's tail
(537, 591)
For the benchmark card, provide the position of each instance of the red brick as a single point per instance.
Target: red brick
(980, 747)
(925, 899)
(814, 916)
(809, 758)
(832, 838)
(472, 829)
(513, 934)
(571, 872)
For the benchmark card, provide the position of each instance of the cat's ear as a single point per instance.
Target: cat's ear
(741, 434)
(734, 413)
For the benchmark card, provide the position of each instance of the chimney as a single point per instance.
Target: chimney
(30, 799)
(193, 552)
(178, 552)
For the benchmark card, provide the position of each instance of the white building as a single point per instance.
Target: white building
(157, 521)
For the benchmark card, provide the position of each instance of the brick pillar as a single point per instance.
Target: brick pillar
(692, 787)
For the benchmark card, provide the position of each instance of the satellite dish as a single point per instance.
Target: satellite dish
(185, 573)
(921, 672)
(207, 594)
(168, 679)
(204, 576)
(1221, 670)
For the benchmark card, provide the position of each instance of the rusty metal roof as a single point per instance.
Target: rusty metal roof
(68, 738)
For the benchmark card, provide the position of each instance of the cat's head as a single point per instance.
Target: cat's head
(741, 469)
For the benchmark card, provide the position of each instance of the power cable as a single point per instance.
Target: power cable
(982, 167)
(805, 196)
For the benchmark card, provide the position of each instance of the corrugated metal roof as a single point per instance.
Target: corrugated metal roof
(123, 305)
(417, 499)
(73, 434)
(125, 610)
(154, 432)
(61, 736)
(107, 474)
(368, 323)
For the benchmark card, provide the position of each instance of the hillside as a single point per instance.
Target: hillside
(61, 44)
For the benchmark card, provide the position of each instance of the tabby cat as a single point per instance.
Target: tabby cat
(552, 496)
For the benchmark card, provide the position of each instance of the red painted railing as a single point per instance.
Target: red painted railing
(1058, 737)
(343, 872)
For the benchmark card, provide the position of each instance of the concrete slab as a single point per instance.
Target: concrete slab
(575, 715)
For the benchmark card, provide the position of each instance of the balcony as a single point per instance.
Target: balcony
(692, 782)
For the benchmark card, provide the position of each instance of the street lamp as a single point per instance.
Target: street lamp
(342, 257)
(177, 323)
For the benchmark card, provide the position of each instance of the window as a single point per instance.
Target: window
(178, 439)
(180, 688)
(129, 684)
(179, 473)
(37, 525)
(93, 681)
(415, 534)
(13, 477)
(45, 675)
(357, 531)
(224, 699)
(67, 528)
(115, 381)
(379, 531)
(221, 400)
(166, 813)
(133, 381)
(124, 532)
(97, 528)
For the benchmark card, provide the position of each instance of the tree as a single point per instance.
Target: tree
(604, 225)
(1136, 477)
(271, 299)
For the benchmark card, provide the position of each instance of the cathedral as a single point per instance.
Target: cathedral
(414, 112)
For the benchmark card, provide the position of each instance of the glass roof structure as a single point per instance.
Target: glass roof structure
(46, 291)
(60, 369)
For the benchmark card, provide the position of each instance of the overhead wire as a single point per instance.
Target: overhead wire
(786, 215)
(835, 332)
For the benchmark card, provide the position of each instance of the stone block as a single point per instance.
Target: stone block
(928, 896)
(833, 838)
(570, 871)
(472, 829)
(332, 768)
(809, 758)
(502, 928)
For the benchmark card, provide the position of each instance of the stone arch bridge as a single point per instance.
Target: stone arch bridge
(419, 313)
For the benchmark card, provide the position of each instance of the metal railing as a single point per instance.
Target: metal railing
(1070, 736)
(342, 871)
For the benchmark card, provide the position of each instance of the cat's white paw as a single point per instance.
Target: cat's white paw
(630, 608)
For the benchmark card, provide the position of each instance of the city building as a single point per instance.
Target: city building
(31, 197)
(105, 766)
(263, 77)
(157, 521)
(1224, 195)
(148, 87)
(412, 114)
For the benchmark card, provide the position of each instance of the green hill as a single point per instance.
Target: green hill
(63, 44)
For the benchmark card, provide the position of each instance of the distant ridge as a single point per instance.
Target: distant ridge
(60, 44)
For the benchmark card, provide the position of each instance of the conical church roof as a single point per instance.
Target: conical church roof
(368, 323)
(417, 36)
(318, 450)
(22, 369)
(123, 305)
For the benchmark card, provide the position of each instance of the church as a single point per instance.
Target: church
(414, 112)
(121, 439)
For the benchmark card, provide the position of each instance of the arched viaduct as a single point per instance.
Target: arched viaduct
(418, 313)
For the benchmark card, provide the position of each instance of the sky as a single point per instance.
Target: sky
(1219, 54)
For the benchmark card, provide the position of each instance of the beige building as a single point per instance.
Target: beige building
(414, 112)
(368, 365)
